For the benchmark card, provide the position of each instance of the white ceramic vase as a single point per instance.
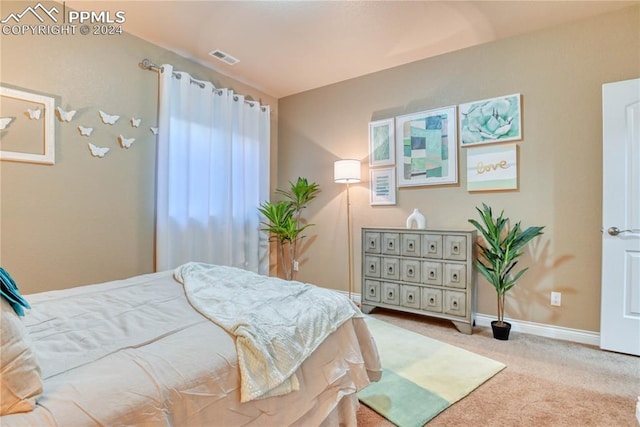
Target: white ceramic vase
(418, 219)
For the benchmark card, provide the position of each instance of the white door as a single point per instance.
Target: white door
(620, 312)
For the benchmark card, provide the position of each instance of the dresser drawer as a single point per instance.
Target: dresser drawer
(432, 246)
(410, 270)
(391, 243)
(372, 266)
(410, 296)
(421, 271)
(455, 248)
(410, 245)
(431, 300)
(432, 273)
(390, 294)
(390, 268)
(455, 303)
(371, 242)
(455, 276)
(371, 291)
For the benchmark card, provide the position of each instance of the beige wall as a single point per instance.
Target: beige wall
(559, 73)
(87, 220)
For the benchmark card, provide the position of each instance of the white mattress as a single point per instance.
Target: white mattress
(134, 352)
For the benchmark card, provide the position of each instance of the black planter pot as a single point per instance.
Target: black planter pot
(501, 332)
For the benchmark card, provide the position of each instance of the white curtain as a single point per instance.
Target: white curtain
(212, 174)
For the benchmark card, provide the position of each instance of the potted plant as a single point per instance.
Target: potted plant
(499, 256)
(285, 223)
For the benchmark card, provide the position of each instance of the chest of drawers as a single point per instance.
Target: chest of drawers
(427, 272)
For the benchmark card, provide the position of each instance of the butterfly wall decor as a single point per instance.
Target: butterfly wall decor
(85, 131)
(125, 142)
(135, 122)
(4, 122)
(34, 114)
(154, 130)
(98, 151)
(108, 119)
(65, 116)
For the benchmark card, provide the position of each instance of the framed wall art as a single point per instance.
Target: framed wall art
(491, 120)
(381, 146)
(427, 148)
(27, 127)
(382, 186)
(492, 168)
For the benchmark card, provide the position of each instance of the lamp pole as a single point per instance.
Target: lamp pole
(349, 241)
(347, 171)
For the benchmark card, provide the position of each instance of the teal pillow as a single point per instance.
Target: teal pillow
(9, 290)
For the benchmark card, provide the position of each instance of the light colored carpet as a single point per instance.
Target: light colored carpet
(421, 376)
(547, 382)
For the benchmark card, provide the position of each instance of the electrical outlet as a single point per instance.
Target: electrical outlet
(295, 265)
(556, 298)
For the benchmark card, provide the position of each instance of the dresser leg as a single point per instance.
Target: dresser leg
(465, 328)
(366, 309)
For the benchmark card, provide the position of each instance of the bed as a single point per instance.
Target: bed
(145, 351)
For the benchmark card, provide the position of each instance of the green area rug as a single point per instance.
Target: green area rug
(421, 376)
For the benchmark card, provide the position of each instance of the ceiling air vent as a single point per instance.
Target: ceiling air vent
(224, 57)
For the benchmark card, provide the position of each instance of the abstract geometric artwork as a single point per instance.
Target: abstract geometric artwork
(427, 148)
(491, 120)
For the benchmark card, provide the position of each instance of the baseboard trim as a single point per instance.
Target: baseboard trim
(540, 329)
(543, 330)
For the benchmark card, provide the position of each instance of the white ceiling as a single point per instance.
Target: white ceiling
(287, 47)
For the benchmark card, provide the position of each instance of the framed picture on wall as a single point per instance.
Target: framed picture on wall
(382, 186)
(492, 168)
(427, 148)
(27, 127)
(491, 120)
(381, 146)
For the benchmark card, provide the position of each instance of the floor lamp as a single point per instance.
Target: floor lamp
(347, 171)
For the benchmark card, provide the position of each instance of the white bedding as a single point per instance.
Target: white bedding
(277, 323)
(134, 352)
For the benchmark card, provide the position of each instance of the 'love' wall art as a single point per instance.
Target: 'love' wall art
(493, 167)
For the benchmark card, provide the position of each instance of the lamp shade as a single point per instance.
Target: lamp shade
(346, 171)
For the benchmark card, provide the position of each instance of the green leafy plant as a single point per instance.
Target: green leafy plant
(501, 252)
(284, 221)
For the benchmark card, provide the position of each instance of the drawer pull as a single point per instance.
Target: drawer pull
(410, 245)
(410, 297)
(455, 277)
(390, 244)
(372, 292)
(432, 247)
(432, 301)
(432, 274)
(455, 249)
(410, 271)
(390, 295)
(390, 269)
(454, 304)
(372, 267)
(372, 244)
